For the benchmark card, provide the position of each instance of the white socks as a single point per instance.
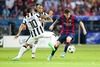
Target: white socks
(34, 50)
(21, 52)
(34, 46)
(53, 40)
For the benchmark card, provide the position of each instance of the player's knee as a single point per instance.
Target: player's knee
(30, 46)
(36, 42)
(69, 39)
(58, 44)
(26, 45)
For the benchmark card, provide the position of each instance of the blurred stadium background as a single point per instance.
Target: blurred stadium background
(13, 11)
(88, 55)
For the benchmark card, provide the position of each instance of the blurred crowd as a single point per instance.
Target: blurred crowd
(16, 8)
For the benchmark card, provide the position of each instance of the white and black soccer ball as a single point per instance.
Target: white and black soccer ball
(71, 49)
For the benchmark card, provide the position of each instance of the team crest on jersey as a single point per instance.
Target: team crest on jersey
(70, 20)
(67, 24)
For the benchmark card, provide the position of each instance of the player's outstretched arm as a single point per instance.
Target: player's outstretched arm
(22, 27)
(50, 19)
(52, 26)
(44, 17)
(83, 27)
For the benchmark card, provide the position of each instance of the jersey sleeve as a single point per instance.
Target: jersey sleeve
(24, 21)
(46, 14)
(59, 19)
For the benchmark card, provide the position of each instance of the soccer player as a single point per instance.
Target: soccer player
(67, 32)
(45, 18)
(36, 31)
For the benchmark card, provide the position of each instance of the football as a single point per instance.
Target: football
(71, 49)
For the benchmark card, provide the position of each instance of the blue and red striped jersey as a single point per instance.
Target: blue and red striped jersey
(68, 25)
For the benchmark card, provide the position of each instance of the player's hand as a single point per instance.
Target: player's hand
(43, 16)
(16, 36)
(43, 21)
(84, 32)
(51, 27)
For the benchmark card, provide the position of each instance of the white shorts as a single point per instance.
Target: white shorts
(31, 40)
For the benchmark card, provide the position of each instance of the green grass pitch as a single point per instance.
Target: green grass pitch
(84, 56)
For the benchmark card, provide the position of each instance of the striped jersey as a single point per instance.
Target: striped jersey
(68, 25)
(39, 14)
(34, 25)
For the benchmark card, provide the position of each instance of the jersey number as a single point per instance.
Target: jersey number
(33, 23)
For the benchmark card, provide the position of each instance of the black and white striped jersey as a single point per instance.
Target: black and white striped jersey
(39, 16)
(44, 13)
(34, 25)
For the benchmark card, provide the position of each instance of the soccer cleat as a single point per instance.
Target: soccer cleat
(63, 55)
(51, 46)
(49, 57)
(16, 59)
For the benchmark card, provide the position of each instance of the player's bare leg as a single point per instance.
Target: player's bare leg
(29, 47)
(68, 39)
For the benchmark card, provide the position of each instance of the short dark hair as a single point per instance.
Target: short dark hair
(66, 11)
(29, 10)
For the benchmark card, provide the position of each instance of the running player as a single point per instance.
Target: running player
(45, 18)
(33, 45)
(67, 32)
(36, 31)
